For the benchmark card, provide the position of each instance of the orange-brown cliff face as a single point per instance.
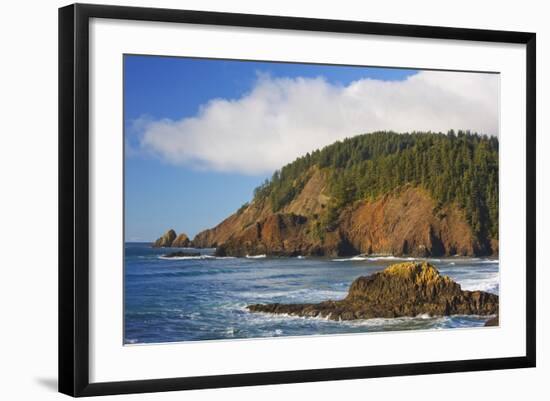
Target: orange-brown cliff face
(405, 221)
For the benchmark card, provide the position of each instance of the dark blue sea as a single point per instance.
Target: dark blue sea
(204, 297)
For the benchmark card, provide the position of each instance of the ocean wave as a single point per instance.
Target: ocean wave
(423, 321)
(287, 275)
(450, 261)
(377, 258)
(476, 261)
(352, 259)
(180, 270)
(256, 256)
(301, 295)
(267, 317)
(198, 257)
(489, 282)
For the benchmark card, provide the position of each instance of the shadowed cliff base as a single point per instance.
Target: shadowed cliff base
(404, 289)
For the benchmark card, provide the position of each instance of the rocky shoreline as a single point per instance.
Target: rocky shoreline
(404, 289)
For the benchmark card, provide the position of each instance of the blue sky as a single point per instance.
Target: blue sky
(160, 195)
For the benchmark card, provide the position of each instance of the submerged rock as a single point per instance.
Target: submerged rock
(404, 289)
(166, 240)
(180, 254)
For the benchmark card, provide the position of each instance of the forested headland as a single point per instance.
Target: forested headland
(418, 193)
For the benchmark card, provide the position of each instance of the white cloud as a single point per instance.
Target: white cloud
(283, 118)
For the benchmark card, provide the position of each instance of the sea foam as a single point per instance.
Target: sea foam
(198, 257)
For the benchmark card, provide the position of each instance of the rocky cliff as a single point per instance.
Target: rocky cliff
(405, 289)
(405, 221)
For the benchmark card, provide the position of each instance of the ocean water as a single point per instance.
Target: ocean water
(204, 298)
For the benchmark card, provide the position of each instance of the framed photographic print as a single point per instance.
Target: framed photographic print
(249, 199)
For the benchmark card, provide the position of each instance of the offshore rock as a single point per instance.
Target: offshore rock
(181, 241)
(404, 289)
(166, 240)
(181, 254)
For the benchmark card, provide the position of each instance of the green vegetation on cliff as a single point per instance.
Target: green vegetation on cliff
(460, 168)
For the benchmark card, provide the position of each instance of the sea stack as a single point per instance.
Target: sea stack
(404, 289)
(181, 241)
(166, 240)
(171, 240)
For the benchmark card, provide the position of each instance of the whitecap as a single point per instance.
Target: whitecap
(180, 257)
(256, 256)
(300, 295)
(375, 258)
(198, 257)
(380, 323)
(352, 259)
(489, 282)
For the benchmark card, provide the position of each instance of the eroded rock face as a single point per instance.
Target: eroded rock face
(277, 234)
(404, 289)
(494, 321)
(171, 239)
(405, 221)
(166, 240)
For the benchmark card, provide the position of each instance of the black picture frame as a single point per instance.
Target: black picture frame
(74, 198)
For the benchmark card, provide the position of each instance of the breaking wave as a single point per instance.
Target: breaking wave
(198, 257)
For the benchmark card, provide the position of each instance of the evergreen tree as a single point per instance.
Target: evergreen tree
(457, 167)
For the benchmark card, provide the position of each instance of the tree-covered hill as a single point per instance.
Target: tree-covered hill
(459, 168)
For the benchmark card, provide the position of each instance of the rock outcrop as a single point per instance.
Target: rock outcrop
(181, 254)
(277, 235)
(405, 289)
(494, 321)
(171, 240)
(181, 241)
(166, 240)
